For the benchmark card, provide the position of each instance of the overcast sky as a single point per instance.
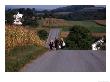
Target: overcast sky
(41, 6)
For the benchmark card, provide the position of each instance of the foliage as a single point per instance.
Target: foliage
(79, 38)
(43, 34)
(9, 18)
(19, 36)
(29, 16)
(30, 22)
(80, 12)
(71, 8)
(19, 56)
(72, 12)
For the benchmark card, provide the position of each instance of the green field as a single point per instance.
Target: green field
(90, 25)
(19, 56)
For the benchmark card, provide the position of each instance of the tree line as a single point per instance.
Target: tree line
(31, 15)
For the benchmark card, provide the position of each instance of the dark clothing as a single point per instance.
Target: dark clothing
(51, 45)
(56, 42)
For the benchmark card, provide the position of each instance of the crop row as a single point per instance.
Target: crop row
(19, 36)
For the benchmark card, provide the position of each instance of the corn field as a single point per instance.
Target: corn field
(54, 22)
(101, 22)
(16, 36)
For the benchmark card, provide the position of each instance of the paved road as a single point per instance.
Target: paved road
(54, 33)
(69, 61)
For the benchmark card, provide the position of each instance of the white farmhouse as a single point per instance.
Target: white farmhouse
(18, 18)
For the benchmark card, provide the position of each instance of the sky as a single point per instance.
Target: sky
(35, 6)
(41, 6)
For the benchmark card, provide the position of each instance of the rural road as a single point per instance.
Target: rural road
(54, 33)
(68, 61)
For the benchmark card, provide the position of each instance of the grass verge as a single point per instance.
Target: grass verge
(19, 56)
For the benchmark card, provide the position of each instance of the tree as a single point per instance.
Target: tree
(30, 22)
(9, 18)
(79, 38)
(43, 34)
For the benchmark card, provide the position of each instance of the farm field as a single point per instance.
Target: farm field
(64, 34)
(53, 22)
(101, 22)
(19, 36)
(90, 25)
(98, 34)
(22, 44)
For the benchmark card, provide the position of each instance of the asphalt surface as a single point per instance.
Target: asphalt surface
(68, 61)
(54, 33)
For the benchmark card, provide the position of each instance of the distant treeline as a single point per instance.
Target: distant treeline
(72, 8)
(74, 12)
(81, 12)
(95, 15)
(29, 16)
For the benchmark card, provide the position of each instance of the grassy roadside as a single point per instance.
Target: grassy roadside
(18, 57)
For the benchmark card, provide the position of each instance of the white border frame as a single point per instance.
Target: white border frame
(53, 76)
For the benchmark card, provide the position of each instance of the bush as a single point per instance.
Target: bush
(79, 38)
(30, 22)
(43, 34)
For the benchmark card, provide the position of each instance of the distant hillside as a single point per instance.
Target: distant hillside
(80, 12)
(71, 12)
(72, 8)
